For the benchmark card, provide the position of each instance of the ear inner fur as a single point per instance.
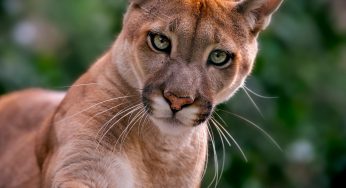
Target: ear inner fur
(258, 12)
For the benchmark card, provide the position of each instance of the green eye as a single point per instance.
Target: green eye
(220, 58)
(160, 42)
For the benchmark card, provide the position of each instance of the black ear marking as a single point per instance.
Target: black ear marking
(258, 12)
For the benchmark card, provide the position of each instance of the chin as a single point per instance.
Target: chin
(171, 126)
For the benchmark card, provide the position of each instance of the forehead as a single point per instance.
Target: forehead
(184, 15)
(207, 6)
(213, 9)
(211, 20)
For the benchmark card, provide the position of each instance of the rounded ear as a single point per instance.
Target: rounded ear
(258, 12)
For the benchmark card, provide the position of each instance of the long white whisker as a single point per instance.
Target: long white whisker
(144, 122)
(130, 118)
(92, 106)
(131, 111)
(115, 116)
(141, 122)
(107, 110)
(258, 95)
(218, 124)
(216, 163)
(235, 142)
(253, 102)
(147, 128)
(139, 115)
(205, 134)
(131, 125)
(104, 126)
(223, 152)
(223, 121)
(124, 133)
(78, 85)
(127, 112)
(213, 120)
(257, 127)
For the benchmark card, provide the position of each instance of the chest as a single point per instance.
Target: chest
(157, 171)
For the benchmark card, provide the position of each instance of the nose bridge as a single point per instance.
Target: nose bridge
(193, 38)
(186, 38)
(183, 81)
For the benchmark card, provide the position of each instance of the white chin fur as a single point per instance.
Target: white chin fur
(172, 129)
(162, 118)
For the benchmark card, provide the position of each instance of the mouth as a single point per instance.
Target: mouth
(164, 116)
(160, 111)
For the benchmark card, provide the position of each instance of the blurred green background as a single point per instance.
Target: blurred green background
(302, 62)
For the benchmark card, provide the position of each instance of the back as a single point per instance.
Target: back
(21, 114)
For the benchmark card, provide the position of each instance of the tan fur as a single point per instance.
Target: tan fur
(52, 143)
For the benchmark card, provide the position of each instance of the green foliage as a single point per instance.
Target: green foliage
(301, 60)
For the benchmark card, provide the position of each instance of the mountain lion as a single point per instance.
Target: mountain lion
(137, 117)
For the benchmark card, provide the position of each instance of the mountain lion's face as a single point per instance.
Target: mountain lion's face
(187, 56)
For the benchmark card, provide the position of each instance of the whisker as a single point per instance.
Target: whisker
(148, 128)
(132, 111)
(142, 121)
(136, 116)
(92, 106)
(107, 110)
(222, 134)
(130, 126)
(125, 133)
(253, 102)
(223, 152)
(130, 118)
(207, 155)
(218, 124)
(129, 110)
(258, 95)
(78, 85)
(256, 126)
(104, 126)
(234, 141)
(115, 116)
(216, 163)
(125, 110)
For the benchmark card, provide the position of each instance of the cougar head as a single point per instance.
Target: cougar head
(187, 56)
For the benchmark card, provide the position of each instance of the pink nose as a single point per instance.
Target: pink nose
(177, 103)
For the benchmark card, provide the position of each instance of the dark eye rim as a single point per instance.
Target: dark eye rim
(151, 36)
(230, 57)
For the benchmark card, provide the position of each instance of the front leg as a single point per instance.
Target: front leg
(81, 168)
